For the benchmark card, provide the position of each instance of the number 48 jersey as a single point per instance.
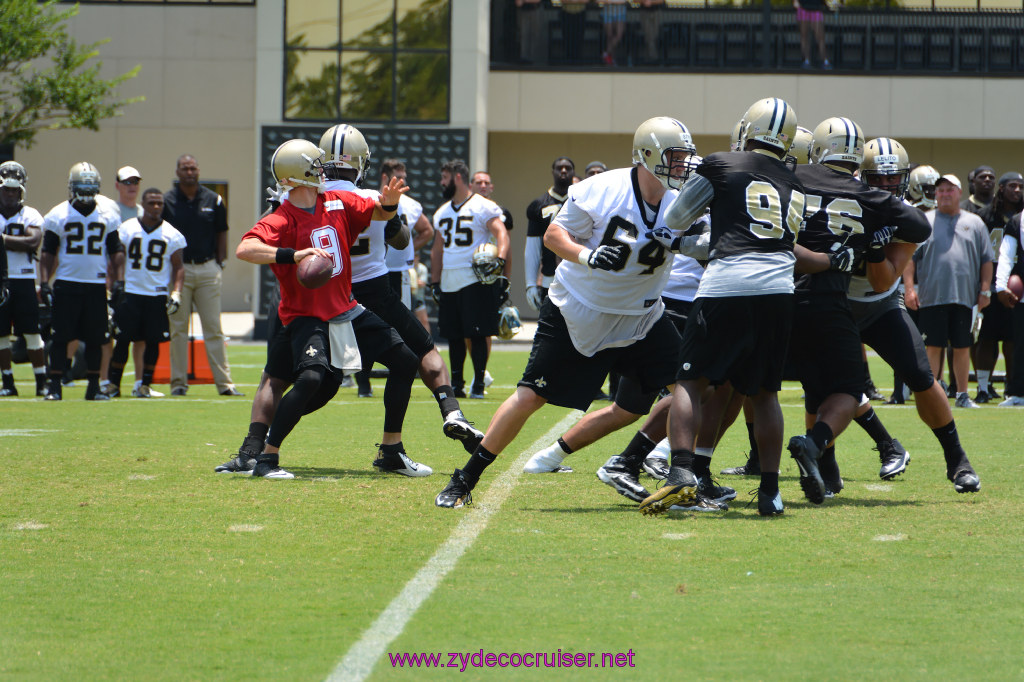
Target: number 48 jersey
(147, 265)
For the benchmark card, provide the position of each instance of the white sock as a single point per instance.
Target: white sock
(545, 461)
(661, 450)
(104, 382)
(983, 377)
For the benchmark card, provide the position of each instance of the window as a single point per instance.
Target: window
(367, 60)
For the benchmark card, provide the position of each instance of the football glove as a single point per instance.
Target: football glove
(435, 292)
(46, 296)
(4, 296)
(695, 246)
(606, 257)
(274, 195)
(535, 296)
(117, 295)
(876, 249)
(173, 302)
(392, 227)
(841, 258)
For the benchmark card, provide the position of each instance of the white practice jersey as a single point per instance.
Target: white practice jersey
(147, 262)
(369, 250)
(462, 229)
(20, 264)
(686, 274)
(409, 211)
(82, 254)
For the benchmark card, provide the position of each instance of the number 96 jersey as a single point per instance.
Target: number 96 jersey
(608, 209)
(147, 264)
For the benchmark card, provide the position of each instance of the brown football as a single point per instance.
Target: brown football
(313, 271)
(1016, 285)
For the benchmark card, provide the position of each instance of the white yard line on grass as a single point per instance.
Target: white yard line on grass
(360, 659)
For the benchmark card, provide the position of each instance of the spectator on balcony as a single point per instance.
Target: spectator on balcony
(650, 21)
(573, 23)
(810, 18)
(983, 185)
(613, 16)
(532, 36)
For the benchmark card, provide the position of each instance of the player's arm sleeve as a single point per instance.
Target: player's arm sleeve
(51, 242)
(532, 257)
(113, 242)
(911, 224)
(1007, 250)
(689, 205)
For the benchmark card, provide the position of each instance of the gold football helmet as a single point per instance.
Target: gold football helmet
(886, 165)
(770, 121)
(83, 182)
(345, 147)
(921, 188)
(654, 143)
(485, 263)
(800, 151)
(734, 139)
(838, 139)
(13, 175)
(298, 163)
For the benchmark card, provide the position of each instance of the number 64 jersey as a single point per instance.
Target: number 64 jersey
(147, 265)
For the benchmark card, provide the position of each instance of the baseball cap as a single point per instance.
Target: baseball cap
(595, 164)
(951, 179)
(1012, 176)
(128, 172)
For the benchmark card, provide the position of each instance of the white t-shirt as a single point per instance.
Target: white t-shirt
(147, 263)
(462, 229)
(21, 264)
(82, 254)
(409, 211)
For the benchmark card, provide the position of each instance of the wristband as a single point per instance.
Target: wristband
(584, 256)
(389, 208)
(285, 256)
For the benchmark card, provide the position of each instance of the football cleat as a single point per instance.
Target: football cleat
(894, 458)
(457, 427)
(806, 454)
(680, 489)
(142, 391)
(751, 468)
(457, 493)
(707, 488)
(98, 396)
(270, 469)
(111, 390)
(983, 397)
(1012, 401)
(237, 465)
(965, 480)
(180, 391)
(656, 467)
(6, 392)
(964, 400)
(547, 461)
(477, 395)
(623, 478)
(701, 504)
(488, 379)
(768, 505)
(400, 464)
(348, 382)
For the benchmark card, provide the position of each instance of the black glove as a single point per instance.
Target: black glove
(841, 258)
(46, 296)
(392, 227)
(435, 291)
(4, 296)
(498, 268)
(876, 249)
(117, 295)
(607, 257)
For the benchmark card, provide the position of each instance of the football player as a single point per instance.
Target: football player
(154, 274)
(467, 308)
(1011, 262)
(540, 260)
(604, 307)
(80, 243)
(921, 187)
(884, 325)
(410, 212)
(739, 325)
(21, 227)
(325, 332)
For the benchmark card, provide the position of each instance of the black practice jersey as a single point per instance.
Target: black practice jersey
(758, 204)
(840, 209)
(539, 215)
(1012, 229)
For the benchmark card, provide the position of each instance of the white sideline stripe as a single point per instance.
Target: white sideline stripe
(361, 658)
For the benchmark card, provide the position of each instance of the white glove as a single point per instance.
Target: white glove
(535, 296)
(173, 302)
(275, 193)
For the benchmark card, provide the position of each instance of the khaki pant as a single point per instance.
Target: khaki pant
(202, 290)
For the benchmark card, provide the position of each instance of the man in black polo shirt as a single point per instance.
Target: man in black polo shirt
(200, 215)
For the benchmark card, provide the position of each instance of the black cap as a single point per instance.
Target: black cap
(1010, 177)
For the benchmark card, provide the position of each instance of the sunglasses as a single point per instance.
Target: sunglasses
(130, 181)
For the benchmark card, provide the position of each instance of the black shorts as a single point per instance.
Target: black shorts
(470, 311)
(279, 351)
(21, 314)
(739, 339)
(996, 324)
(80, 312)
(378, 296)
(563, 376)
(824, 349)
(677, 312)
(143, 318)
(943, 325)
(895, 337)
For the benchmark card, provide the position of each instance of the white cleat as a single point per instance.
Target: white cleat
(547, 461)
(1012, 401)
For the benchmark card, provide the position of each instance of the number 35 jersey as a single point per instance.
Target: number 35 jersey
(84, 242)
(463, 228)
(608, 209)
(147, 264)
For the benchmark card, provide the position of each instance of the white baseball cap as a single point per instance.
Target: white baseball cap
(127, 172)
(951, 179)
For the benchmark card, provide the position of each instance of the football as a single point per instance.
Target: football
(313, 271)
(1016, 286)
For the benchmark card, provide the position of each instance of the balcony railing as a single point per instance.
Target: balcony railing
(884, 42)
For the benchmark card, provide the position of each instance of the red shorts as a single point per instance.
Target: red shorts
(813, 16)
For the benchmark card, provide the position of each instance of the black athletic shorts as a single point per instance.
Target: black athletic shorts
(824, 348)
(21, 314)
(739, 339)
(80, 312)
(996, 324)
(943, 325)
(470, 311)
(886, 326)
(143, 318)
(378, 296)
(563, 376)
(677, 312)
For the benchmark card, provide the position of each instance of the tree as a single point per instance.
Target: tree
(67, 92)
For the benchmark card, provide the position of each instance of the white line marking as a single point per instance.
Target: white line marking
(879, 487)
(360, 659)
(31, 525)
(140, 477)
(677, 536)
(889, 538)
(245, 528)
(7, 433)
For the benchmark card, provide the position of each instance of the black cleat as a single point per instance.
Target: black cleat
(829, 470)
(98, 395)
(701, 504)
(237, 465)
(894, 458)
(707, 488)
(656, 467)
(873, 393)
(400, 463)
(457, 493)
(806, 454)
(751, 468)
(457, 427)
(965, 480)
(623, 477)
(270, 469)
(769, 505)
(680, 489)
(983, 397)
(8, 391)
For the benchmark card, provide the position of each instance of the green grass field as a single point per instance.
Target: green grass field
(124, 557)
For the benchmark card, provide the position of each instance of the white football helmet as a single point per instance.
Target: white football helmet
(921, 187)
(770, 121)
(13, 175)
(655, 140)
(83, 182)
(885, 157)
(298, 163)
(509, 323)
(485, 263)
(345, 147)
(838, 139)
(800, 151)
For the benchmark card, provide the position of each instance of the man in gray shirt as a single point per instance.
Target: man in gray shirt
(954, 273)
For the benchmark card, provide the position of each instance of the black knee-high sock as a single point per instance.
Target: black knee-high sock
(150, 356)
(874, 427)
(821, 434)
(478, 461)
(478, 354)
(753, 441)
(457, 361)
(951, 449)
(446, 399)
(682, 458)
(401, 363)
(638, 448)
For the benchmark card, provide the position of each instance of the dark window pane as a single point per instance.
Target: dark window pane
(423, 24)
(366, 83)
(312, 23)
(311, 85)
(367, 23)
(423, 87)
